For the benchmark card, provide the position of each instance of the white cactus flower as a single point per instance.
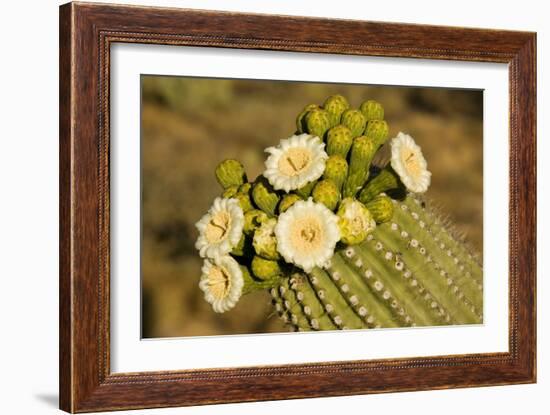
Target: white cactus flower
(307, 234)
(220, 230)
(222, 283)
(295, 162)
(409, 163)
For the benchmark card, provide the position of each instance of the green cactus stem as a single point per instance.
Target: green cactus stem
(398, 276)
(335, 105)
(230, 173)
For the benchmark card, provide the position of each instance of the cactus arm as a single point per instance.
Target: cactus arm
(434, 278)
(294, 307)
(417, 297)
(280, 307)
(311, 304)
(337, 307)
(373, 310)
(468, 290)
(469, 279)
(380, 283)
(457, 251)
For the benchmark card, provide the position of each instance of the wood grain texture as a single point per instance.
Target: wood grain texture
(86, 33)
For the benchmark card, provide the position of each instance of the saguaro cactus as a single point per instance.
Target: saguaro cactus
(338, 243)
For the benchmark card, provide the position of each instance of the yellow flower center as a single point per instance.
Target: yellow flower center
(294, 161)
(410, 160)
(306, 235)
(218, 226)
(219, 282)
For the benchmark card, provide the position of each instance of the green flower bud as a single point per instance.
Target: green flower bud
(249, 282)
(386, 180)
(265, 269)
(335, 105)
(355, 121)
(287, 201)
(339, 140)
(252, 221)
(244, 201)
(354, 182)
(381, 208)
(363, 150)
(306, 190)
(318, 122)
(265, 242)
(355, 221)
(301, 125)
(252, 283)
(327, 193)
(264, 196)
(230, 173)
(336, 170)
(372, 110)
(378, 131)
(230, 192)
(238, 250)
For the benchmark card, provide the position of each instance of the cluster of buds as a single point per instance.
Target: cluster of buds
(319, 190)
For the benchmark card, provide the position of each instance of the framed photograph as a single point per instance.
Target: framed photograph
(259, 207)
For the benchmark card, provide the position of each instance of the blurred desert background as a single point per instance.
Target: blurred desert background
(189, 125)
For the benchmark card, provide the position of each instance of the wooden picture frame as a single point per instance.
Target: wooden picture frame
(86, 33)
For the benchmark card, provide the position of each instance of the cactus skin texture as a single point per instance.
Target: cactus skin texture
(395, 278)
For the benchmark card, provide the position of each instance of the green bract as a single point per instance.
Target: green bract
(265, 197)
(230, 173)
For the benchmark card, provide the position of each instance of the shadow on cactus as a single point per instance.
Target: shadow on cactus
(342, 237)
